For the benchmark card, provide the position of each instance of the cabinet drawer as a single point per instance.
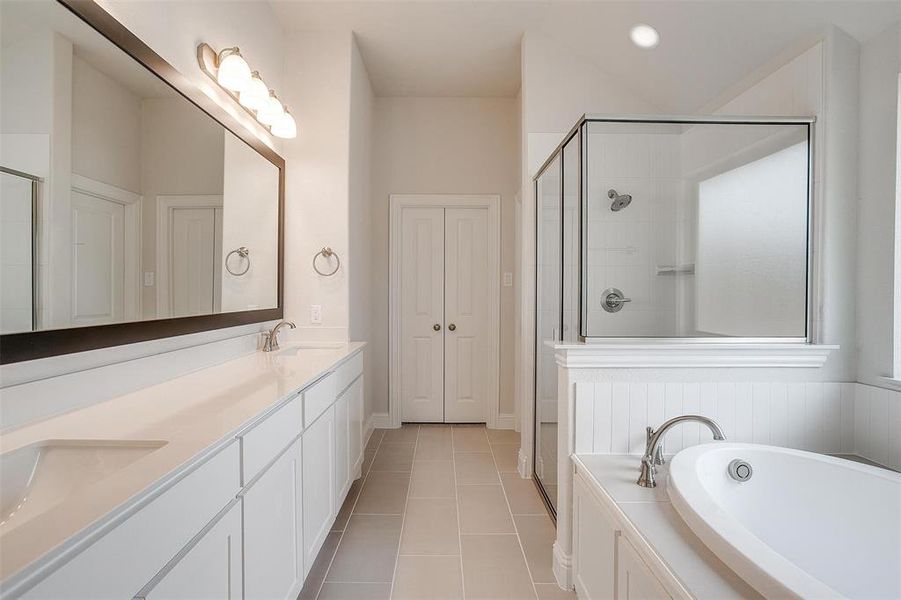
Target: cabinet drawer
(121, 562)
(347, 371)
(317, 398)
(261, 445)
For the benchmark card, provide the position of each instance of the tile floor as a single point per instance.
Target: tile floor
(438, 513)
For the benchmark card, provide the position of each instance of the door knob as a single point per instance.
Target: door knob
(436, 327)
(452, 327)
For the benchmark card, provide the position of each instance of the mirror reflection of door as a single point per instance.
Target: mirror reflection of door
(98, 266)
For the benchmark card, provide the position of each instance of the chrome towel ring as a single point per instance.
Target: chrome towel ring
(244, 253)
(327, 253)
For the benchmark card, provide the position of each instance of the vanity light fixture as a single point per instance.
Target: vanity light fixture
(246, 87)
(233, 72)
(644, 36)
(255, 94)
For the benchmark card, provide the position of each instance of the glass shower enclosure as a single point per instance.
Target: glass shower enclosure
(650, 229)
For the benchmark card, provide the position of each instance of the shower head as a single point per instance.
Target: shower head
(620, 201)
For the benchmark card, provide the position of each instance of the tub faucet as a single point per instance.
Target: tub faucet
(271, 343)
(653, 452)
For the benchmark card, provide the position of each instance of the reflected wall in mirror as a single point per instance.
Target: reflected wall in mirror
(122, 200)
(713, 240)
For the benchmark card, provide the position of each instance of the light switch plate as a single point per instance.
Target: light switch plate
(508, 279)
(316, 314)
(149, 278)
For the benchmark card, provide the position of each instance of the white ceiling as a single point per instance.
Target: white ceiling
(471, 48)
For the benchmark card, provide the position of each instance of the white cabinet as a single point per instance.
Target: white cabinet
(355, 426)
(318, 484)
(594, 545)
(634, 580)
(273, 512)
(605, 564)
(342, 448)
(209, 568)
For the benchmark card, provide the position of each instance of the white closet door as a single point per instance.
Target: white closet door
(193, 236)
(98, 263)
(467, 315)
(422, 308)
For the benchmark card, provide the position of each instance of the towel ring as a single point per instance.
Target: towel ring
(243, 252)
(327, 253)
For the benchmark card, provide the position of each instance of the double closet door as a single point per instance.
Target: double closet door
(445, 315)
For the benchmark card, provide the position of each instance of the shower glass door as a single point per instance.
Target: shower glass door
(548, 324)
(17, 255)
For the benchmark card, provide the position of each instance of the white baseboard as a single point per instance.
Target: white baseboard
(378, 421)
(505, 421)
(563, 568)
(522, 465)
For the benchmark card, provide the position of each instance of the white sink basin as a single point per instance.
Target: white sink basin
(39, 476)
(295, 349)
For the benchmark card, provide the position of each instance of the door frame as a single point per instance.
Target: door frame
(132, 203)
(398, 202)
(164, 207)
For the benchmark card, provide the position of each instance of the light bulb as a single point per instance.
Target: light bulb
(233, 73)
(285, 126)
(256, 94)
(644, 36)
(271, 111)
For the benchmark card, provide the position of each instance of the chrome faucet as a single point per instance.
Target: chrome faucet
(271, 341)
(653, 452)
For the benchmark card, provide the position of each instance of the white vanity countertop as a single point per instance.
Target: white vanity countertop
(195, 414)
(695, 567)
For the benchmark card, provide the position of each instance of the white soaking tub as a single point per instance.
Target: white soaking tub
(804, 525)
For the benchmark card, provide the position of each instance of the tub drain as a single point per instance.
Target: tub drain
(740, 470)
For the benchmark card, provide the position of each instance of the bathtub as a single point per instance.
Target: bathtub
(804, 525)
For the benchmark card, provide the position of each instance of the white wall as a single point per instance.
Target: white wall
(106, 129)
(359, 255)
(317, 88)
(880, 65)
(435, 146)
(249, 219)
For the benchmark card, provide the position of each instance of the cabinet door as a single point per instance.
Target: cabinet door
(594, 546)
(634, 580)
(318, 484)
(355, 429)
(211, 568)
(342, 447)
(273, 513)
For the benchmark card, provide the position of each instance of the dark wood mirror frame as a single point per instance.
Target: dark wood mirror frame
(19, 347)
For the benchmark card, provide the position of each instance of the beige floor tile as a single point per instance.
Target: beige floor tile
(475, 468)
(434, 448)
(494, 569)
(522, 495)
(433, 479)
(355, 591)
(347, 507)
(431, 431)
(405, 434)
(536, 532)
(394, 457)
(320, 567)
(368, 550)
(506, 456)
(375, 439)
(552, 591)
(430, 527)
(483, 509)
(428, 578)
(503, 436)
(384, 493)
(470, 439)
(368, 455)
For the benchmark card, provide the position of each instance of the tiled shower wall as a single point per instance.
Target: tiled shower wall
(610, 418)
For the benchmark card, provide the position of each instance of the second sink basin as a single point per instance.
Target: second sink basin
(37, 477)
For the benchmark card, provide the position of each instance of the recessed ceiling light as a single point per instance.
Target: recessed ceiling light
(644, 36)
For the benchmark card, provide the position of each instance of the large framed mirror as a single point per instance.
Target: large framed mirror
(132, 206)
